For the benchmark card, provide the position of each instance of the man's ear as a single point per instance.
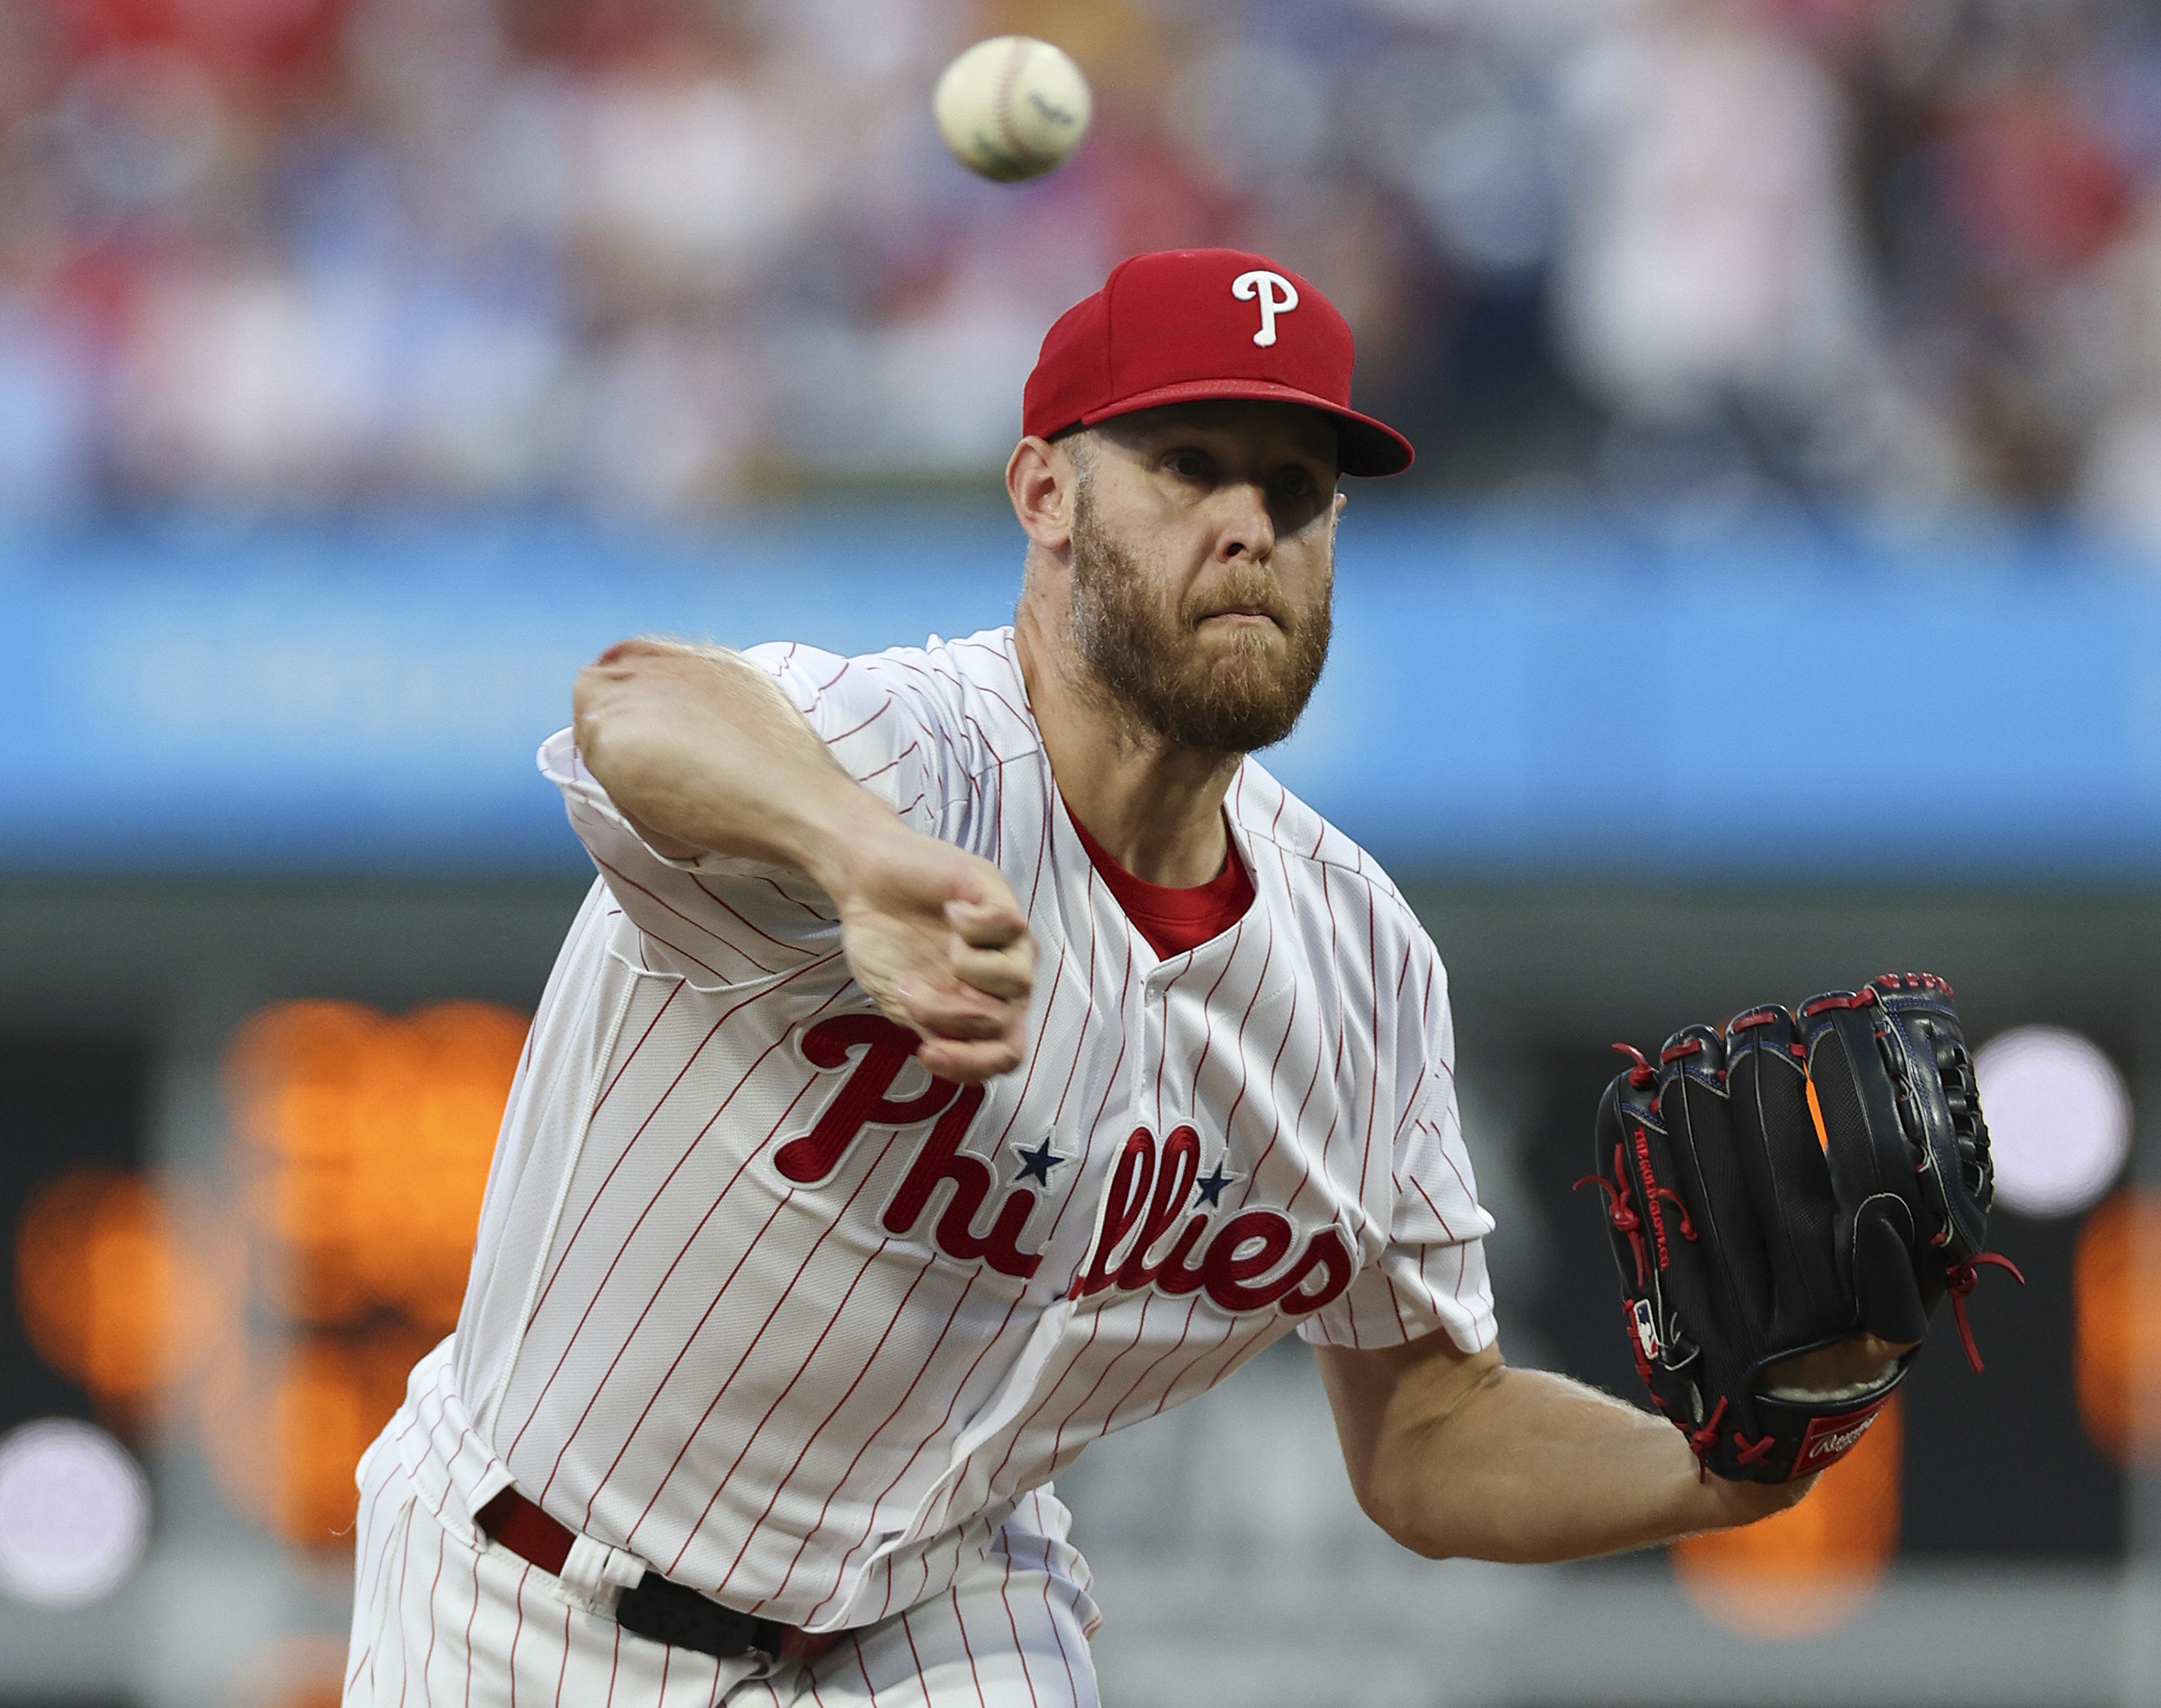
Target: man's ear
(1040, 478)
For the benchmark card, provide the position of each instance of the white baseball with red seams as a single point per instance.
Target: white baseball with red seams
(759, 1302)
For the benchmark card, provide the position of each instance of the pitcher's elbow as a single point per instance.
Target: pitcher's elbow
(1394, 1507)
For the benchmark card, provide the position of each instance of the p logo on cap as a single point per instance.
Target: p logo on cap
(1266, 286)
(1178, 327)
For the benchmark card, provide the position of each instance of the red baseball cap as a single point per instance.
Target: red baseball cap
(1181, 325)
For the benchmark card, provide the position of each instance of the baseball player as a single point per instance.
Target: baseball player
(966, 1051)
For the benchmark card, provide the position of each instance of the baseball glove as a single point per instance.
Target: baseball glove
(1800, 1179)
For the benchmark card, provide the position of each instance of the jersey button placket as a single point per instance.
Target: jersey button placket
(1154, 1013)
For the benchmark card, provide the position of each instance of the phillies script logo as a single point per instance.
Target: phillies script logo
(1242, 1266)
(864, 1102)
(1148, 1237)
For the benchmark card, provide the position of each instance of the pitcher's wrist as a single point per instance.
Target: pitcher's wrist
(843, 832)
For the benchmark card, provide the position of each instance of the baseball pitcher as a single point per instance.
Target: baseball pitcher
(968, 1050)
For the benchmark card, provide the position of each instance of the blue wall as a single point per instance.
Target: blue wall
(1506, 696)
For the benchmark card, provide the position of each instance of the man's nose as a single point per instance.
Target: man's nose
(1249, 530)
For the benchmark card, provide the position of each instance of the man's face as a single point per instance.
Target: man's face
(1203, 552)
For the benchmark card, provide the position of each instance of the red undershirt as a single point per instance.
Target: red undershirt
(1172, 919)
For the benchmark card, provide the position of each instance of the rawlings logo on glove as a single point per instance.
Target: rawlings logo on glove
(1788, 1184)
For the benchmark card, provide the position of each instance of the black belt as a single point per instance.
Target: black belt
(668, 1613)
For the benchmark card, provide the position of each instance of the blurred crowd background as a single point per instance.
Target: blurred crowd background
(665, 256)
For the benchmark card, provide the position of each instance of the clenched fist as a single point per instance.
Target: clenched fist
(935, 936)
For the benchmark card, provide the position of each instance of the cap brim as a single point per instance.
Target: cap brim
(1363, 445)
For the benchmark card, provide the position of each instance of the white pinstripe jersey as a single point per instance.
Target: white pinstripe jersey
(757, 1300)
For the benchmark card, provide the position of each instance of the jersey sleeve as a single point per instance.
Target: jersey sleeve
(887, 725)
(1431, 1274)
(721, 921)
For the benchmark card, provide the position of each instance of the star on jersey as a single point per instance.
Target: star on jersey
(1037, 1164)
(1211, 1184)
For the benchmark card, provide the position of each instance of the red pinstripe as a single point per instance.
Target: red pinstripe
(834, 740)
(796, 901)
(1020, 1429)
(1230, 1119)
(469, 1618)
(824, 1234)
(570, 1244)
(959, 1388)
(375, 1581)
(1395, 1304)
(1163, 1042)
(1365, 1159)
(848, 1476)
(1275, 1128)
(1148, 1369)
(891, 764)
(1207, 1025)
(810, 1441)
(690, 1341)
(809, 1359)
(721, 901)
(1111, 1079)
(1419, 1185)
(405, 1560)
(1308, 1163)
(1224, 1355)
(1072, 1685)
(1140, 1330)
(1043, 1027)
(968, 1649)
(618, 875)
(908, 1631)
(600, 1191)
(659, 1014)
(427, 1661)
(749, 1156)
(1005, 1594)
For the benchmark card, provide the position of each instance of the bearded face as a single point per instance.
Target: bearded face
(1233, 693)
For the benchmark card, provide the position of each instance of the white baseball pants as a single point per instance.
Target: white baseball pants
(445, 1618)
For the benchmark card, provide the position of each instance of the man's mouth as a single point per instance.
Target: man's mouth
(1239, 616)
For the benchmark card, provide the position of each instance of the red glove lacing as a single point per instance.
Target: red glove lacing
(1961, 1279)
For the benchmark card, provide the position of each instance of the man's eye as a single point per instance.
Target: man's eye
(1187, 465)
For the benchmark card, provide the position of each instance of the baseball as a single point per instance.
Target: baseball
(1012, 107)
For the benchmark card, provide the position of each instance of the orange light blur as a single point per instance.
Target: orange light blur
(284, 1428)
(365, 1144)
(1813, 1566)
(120, 1287)
(2116, 1313)
(361, 1151)
(295, 1671)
